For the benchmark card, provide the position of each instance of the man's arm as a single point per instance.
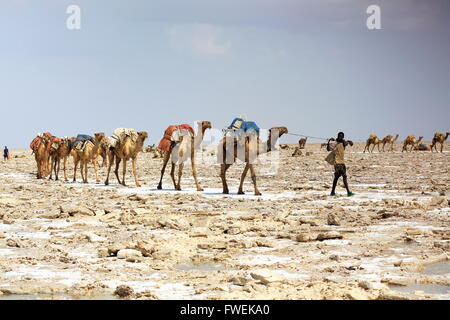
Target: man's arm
(328, 144)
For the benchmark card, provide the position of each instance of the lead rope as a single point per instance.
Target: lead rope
(302, 135)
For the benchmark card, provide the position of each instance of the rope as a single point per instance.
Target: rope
(302, 135)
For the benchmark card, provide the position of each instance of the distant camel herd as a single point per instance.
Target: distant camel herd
(50, 150)
(415, 144)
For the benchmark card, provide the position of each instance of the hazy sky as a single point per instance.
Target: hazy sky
(311, 65)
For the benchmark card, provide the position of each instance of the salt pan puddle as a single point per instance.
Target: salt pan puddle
(427, 288)
(439, 268)
(42, 272)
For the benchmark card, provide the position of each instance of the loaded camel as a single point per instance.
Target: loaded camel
(373, 139)
(178, 152)
(228, 153)
(389, 140)
(127, 149)
(62, 152)
(411, 140)
(40, 145)
(88, 154)
(439, 138)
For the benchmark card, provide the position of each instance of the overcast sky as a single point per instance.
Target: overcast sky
(311, 65)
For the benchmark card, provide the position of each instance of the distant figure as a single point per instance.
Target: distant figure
(339, 165)
(5, 154)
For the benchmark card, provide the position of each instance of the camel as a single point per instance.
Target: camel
(89, 153)
(180, 151)
(103, 151)
(302, 142)
(439, 138)
(373, 139)
(39, 145)
(228, 153)
(126, 150)
(422, 147)
(61, 153)
(296, 152)
(411, 140)
(389, 140)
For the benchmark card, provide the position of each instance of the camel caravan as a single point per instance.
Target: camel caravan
(178, 144)
(410, 142)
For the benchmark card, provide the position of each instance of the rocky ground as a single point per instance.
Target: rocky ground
(64, 240)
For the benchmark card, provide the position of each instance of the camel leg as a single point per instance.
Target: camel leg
(134, 173)
(65, 173)
(180, 172)
(75, 164)
(116, 170)
(442, 147)
(252, 171)
(57, 167)
(223, 171)
(51, 168)
(110, 162)
(244, 173)
(97, 180)
(194, 170)
(172, 175)
(165, 160)
(85, 166)
(124, 171)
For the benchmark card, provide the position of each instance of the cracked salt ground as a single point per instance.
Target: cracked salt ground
(383, 241)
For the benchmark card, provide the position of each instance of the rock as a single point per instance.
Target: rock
(162, 254)
(303, 237)
(239, 281)
(8, 220)
(267, 276)
(103, 253)
(234, 230)
(14, 243)
(128, 253)
(53, 214)
(329, 235)
(413, 232)
(213, 245)
(146, 248)
(123, 291)
(311, 222)
(92, 237)
(171, 224)
(264, 243)
(141, 211)
(357, 294)
(438, 201)
(333, 220)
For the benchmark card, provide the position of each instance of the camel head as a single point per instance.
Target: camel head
(99, 136)
(205, 125)
(142, 135)
(275, 133)
(420, 139)
(446, 136)
(350, 142)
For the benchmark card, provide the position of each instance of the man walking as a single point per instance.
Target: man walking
(340, 169)
(5, 154)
